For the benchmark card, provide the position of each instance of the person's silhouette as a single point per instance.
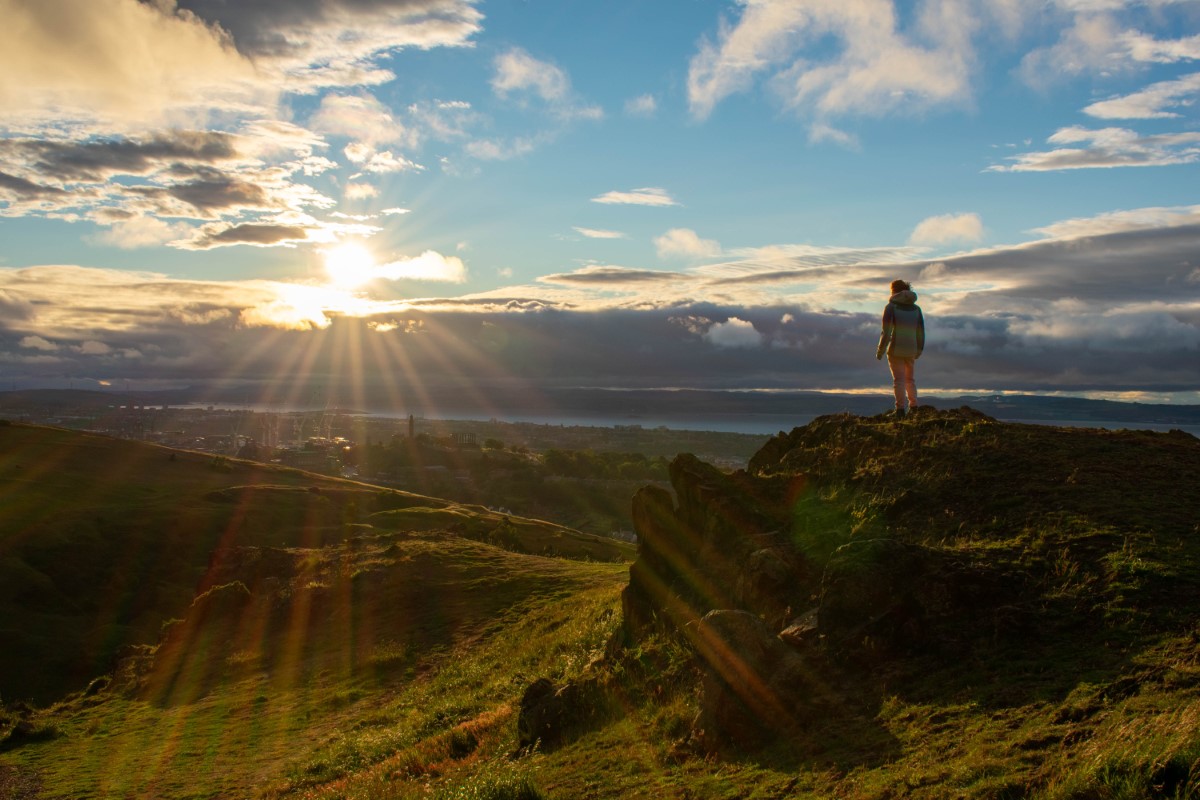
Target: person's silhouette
(903, 340)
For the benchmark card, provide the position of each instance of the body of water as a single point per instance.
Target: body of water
(771, 424)
(746, 423)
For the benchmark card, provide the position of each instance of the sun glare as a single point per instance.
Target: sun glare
(349, 265)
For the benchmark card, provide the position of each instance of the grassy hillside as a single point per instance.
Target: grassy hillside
(387, 656)
(372, 647)
(103, 540)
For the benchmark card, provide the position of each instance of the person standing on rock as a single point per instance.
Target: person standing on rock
(902, 339)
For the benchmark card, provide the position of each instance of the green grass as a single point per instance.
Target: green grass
(386, 657)
(382, 684)
(102, 540)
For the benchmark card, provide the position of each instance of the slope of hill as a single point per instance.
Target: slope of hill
(103, 540)
(946, 606)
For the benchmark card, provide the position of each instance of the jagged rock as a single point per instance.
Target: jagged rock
(722, 546)
(656, 577)
(726, 512)
(764, 581)
(754, 687)
(802, 631)
(548, 716)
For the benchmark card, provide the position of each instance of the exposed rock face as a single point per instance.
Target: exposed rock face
(723, 546)
(754, 686)
(720, 569)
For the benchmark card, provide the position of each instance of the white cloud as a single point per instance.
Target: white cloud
(386, 161)
(38, 343)
(517, 71)
(182, 96)
(360, 191)
(877, 68)
(734, 333)
(141, 231)
(641, 106)
(429, 266)
(359, 117)
(764, 36)
(1120, 221)
(1161, 51)
(1153, 102)
(685, 243)
(607, 275)
(1096, 43)
(357, 152)
(821, 132)
(444, 120)
(1091, 44)
(798, 258)
(649, 196)
(306, 46)
(119, 63)
(593, 233)
(494, 150)
(948, 228)
(1124, 331)
(1107, 147)
(93, 348)
(370, 124)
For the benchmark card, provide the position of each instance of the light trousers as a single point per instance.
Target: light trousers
(903, 382)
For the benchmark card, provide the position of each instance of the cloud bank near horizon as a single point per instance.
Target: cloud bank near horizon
(1054, 315)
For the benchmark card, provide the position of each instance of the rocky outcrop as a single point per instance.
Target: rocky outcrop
(723, 545)
(754, 687)
(720, 563)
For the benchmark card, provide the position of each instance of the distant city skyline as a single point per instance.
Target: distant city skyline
(689, 193)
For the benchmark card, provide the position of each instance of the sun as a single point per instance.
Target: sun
(349, 265)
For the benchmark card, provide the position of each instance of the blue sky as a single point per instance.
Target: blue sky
(722, 188)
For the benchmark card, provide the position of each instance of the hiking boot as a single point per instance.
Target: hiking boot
(898, 413)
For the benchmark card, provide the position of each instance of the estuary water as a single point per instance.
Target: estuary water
(741, 422)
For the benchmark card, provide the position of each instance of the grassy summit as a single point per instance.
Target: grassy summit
(336, 641)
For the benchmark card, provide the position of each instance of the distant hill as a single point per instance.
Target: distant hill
(686, 405)
(943, 606)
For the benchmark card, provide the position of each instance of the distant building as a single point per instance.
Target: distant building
(311, 460)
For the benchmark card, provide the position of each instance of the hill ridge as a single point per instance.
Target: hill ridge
(104, 539)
